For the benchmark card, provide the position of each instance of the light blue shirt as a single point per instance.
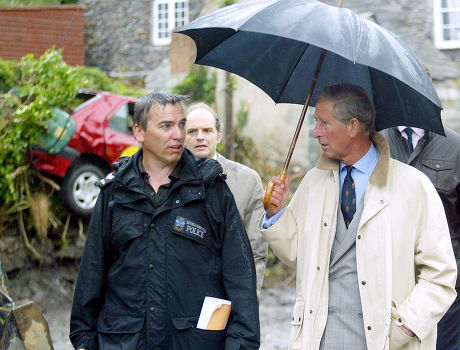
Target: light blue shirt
(361, 173)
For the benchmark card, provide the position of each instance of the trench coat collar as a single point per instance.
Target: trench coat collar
(380, 175)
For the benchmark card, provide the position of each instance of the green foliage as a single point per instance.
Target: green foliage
(42, 83)
(199, 85)
(122, 88)
(223, 3)
(39, 84)
(228, 2)
(94, 78)
(7, 75)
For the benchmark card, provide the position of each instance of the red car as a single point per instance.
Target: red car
(102, 133)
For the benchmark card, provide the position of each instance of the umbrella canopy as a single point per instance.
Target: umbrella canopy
(276, 45)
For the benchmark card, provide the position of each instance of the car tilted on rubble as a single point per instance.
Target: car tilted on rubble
(80, 148)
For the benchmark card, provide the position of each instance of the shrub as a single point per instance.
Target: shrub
(199, 85)
(39, 85)
(8, 71)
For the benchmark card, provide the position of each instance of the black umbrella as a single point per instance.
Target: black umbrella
(279, 45)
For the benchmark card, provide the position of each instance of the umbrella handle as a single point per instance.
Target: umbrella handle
(269, 190)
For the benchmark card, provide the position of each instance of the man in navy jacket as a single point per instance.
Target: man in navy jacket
(165, 233)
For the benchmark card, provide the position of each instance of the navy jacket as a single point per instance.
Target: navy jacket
(145, 272)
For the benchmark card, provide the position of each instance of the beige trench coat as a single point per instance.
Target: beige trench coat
(247, 189)
(403, 254)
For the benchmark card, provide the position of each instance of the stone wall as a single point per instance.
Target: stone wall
(118, 35)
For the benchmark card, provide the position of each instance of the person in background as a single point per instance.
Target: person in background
(203, 134)
(165, 233)
(368, 235)
(438, 157)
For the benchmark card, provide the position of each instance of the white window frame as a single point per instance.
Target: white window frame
(439, 10)
(163, 37)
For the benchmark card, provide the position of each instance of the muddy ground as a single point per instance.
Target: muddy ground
(51, 288)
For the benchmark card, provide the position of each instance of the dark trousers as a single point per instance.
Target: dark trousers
(449, 328)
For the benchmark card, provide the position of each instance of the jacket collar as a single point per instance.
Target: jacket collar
(129, 176)
(427, 136)
(380, 175)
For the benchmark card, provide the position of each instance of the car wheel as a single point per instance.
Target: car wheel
(79, 189)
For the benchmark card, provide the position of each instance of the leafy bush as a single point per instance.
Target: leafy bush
(39, 85)
(199, 85)
(7, 75)
(94, 78)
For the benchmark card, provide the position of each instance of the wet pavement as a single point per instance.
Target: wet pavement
(275, 317)
(52, 289)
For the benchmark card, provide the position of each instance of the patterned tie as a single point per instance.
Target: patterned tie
(409, 132)
(348, 204)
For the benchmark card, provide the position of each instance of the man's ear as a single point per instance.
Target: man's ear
(219, 136)
(138, 133)
(355, 127)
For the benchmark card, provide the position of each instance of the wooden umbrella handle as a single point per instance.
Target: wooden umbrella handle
(269, 191)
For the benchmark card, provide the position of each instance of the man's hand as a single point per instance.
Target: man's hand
(407, 331)
(280, 196)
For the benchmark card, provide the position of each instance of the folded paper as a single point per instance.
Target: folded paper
(214, 314)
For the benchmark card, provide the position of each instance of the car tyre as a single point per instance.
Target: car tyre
(79, 189)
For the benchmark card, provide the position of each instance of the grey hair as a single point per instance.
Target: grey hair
(202, 105)
(350, 101)
(145, 104)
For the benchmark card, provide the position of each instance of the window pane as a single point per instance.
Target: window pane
(446, 34)
(180, 13)
(446, 18)
(444, 3)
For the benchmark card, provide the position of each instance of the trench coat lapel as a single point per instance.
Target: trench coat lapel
(377, 194)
